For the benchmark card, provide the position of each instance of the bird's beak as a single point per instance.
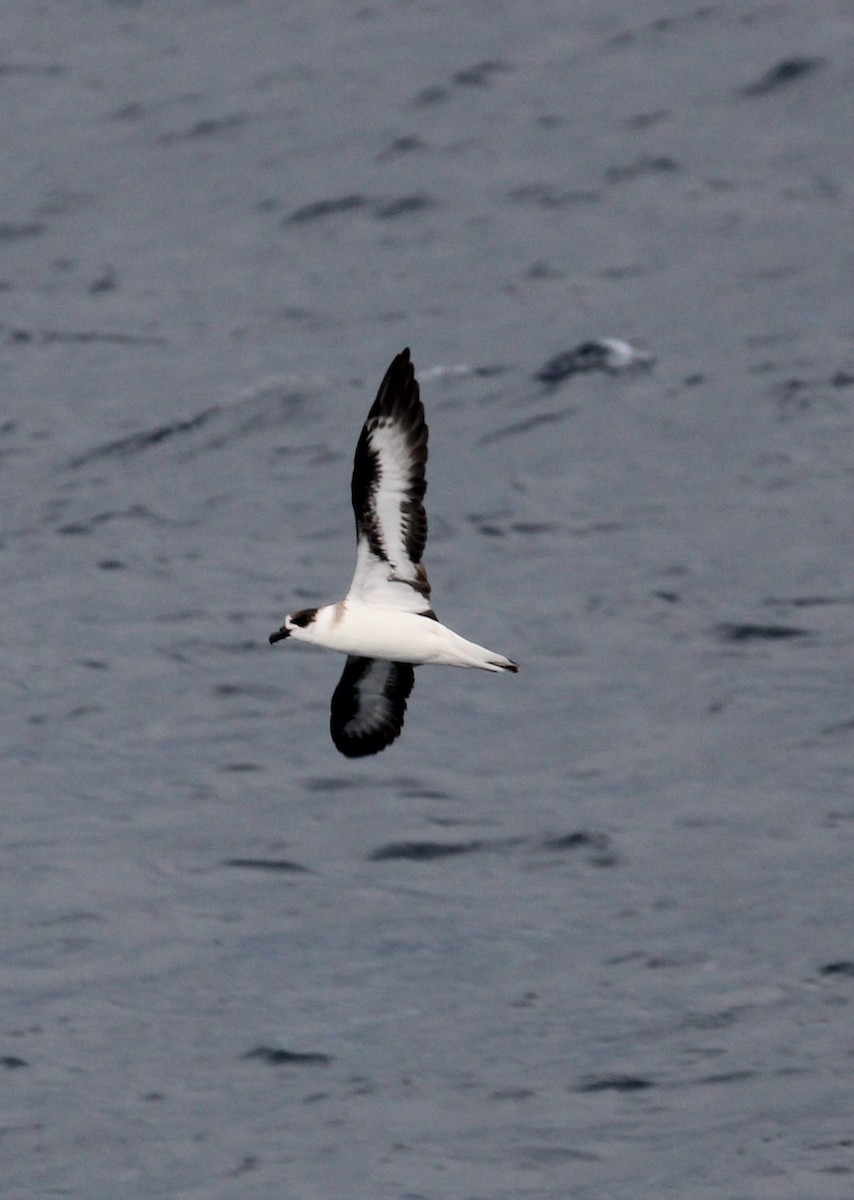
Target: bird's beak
(279, 636)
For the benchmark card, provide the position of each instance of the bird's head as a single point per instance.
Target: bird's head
(294, 622)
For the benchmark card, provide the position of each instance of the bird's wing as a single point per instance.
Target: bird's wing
(388, 489)
(368, 705)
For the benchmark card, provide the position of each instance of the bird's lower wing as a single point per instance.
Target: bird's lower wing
(369, 704)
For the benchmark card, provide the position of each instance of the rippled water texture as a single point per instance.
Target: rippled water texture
(585, 931)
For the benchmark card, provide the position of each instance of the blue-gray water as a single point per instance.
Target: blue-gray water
(633, 979)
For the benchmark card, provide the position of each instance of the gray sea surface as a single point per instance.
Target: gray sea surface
(585, 932)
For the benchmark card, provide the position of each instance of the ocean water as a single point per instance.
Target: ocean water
(585, 931)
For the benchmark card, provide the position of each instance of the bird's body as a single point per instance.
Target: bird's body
(385, 624)
(354, 628)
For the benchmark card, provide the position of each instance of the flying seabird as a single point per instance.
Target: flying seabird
(385, 624)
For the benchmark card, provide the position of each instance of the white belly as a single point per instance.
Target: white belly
(378, 633)
(370, 632)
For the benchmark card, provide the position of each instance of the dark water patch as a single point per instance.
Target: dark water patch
(496, 515)
(331, 783)
(107, 281)
(748, 632)
(542, 270)
(18, 231)
(525, 426)
(326, 208)
(12, 1063)
(660, 164)
(792, 395)
(191, 647)
(278, 866)
(62, 202)
(596, 527)
(135, 442)
(837, 727)
(712, 1021)
(843, 968)
(786, 71)
(84, 337)
(433, 94)
(11, 68)
(667, 597)
(252, 691)
(401, 145)
(669, 962)
(133, 111)
(316, 453)
(203, 128)
(83, 710)
(277, 1057)
(543, 1156)
(728, 1077)
(586, 357)
(260, 410)
(423, 851)
(530, 528)
(490, 371)
(424, 793)
(842, 379)
(660, 25)
(807, 601)
(136, 512)
(111, 564)
(624, 271)
(402, 207)
(481, 74)
(240, 768)
(598, 844)
(247, 1163)
(360, 1085)
(171, 616)
(525, 528)
(614, 1083)
(19, 336)
(547, 196)
(610, 355)
(576, 840)
(648, 119)
(512, 1093)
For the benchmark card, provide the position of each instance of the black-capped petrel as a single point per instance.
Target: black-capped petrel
(385, 624)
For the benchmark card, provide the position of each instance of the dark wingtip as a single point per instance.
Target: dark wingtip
(279, 636)
(402, 361)
(513, 668)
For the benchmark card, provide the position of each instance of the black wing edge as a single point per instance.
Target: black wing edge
(367, 711)
(399, 397)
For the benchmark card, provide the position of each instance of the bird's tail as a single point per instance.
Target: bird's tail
(470, 654)
(499, 663)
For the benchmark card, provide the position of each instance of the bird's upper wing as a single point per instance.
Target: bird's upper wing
(388, 489)
(368, 705)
